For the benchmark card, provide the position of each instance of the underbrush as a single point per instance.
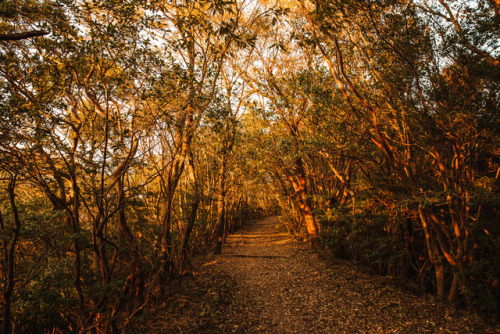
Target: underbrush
(196, 305)
(390, 242)
(393, 244)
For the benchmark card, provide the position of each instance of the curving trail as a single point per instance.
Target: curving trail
(283, 287)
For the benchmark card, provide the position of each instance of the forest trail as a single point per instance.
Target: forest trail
(278, 285)
(283, 287)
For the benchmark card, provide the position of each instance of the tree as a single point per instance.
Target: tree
(408, 146)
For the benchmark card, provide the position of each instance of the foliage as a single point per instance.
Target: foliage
(136, 135)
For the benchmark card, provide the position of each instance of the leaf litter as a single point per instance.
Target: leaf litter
(266, 281)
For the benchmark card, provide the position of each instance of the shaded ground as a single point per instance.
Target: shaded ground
(266, 282)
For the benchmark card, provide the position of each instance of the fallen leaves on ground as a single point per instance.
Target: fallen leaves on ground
(267, 282)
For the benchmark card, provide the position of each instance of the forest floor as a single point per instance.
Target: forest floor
(265, 281)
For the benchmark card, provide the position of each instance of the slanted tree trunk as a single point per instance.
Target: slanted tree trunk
(299, 184)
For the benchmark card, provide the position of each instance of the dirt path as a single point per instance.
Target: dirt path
(283, 287)
(266, 282)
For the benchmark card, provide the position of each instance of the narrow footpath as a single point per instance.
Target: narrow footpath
(267, 282)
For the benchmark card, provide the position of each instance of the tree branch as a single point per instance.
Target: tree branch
(22, 35)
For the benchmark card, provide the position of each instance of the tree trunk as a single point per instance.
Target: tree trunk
(74, 219)
(192, 217)
(227, 147)
(136, 276)
(433, 251)
(300, 187)
(221, 209)
(9, 248)
(174, 176)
